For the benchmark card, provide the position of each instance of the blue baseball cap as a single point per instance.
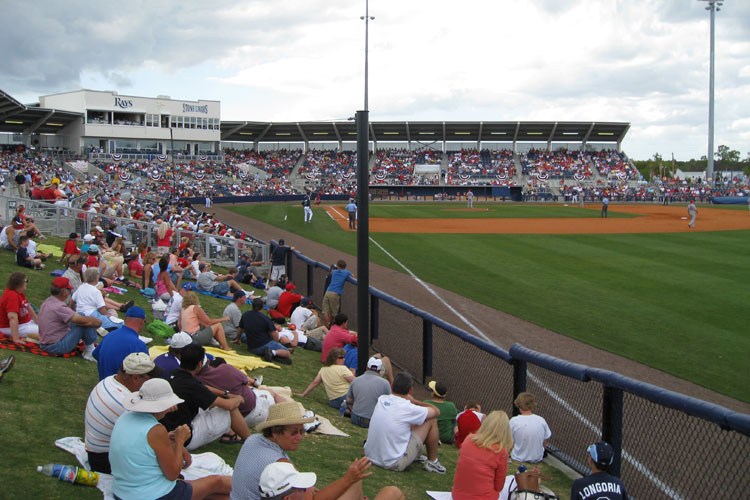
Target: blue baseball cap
(601, 453)
(135, 312)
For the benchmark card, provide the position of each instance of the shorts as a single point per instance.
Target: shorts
(221, 288)
(208, 426)
(203, 336)
(182, 491)
(30, 327)
(331, 303)
(277, 271)
(259, 414)
(413, 450)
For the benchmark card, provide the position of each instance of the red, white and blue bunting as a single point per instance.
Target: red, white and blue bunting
(622, 176)
(501, 177)
(116, 157)
(218, 176)
(123, 175)
(154, 175)
(380, 175)
(161, 158)
(243, 175)
(579, 177)
(542, 176)
(347, 175)
(199, 176)
(464, 176)
(202, 157)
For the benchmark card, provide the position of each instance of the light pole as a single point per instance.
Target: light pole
(713, 6)
(363, 214)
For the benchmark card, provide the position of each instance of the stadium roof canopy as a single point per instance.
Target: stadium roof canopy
(426, 131)
(19, 118)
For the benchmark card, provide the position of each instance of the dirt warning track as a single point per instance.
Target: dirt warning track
(652, 219)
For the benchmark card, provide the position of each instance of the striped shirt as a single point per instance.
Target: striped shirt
(103, 408)
(256, 453)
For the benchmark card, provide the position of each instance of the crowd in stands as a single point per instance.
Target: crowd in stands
(397, 167)
(558, 164)
(615, 164)
(485, 167)
(330, 172)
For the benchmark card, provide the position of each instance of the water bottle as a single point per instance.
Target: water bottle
(521, 468)
(69, 474)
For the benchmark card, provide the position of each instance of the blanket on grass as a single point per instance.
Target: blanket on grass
(6, 342)
(232, 357)
(204, 464)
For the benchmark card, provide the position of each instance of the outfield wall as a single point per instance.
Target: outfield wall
(668, 445)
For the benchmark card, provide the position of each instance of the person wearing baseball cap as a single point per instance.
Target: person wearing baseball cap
(599, 485)
(60, 327)
(170, 360)
(364, 392)
(280, 480)
(113, 348)
(282, 432)
(448, 412)
(105, 405)
(146, 459)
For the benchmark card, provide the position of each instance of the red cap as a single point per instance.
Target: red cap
(290, 286)
(61, 282)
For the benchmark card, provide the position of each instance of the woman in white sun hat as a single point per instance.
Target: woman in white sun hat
(147, 460)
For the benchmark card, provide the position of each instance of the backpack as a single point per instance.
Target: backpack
(159, 328)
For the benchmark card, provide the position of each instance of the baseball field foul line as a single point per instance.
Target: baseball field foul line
(433, 292)
(567, 406)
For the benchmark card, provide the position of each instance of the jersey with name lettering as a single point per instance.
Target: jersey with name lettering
(598, 486)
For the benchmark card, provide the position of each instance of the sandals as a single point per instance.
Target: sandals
(231, 439)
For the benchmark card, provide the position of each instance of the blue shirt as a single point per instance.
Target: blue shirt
(351, 207)
(114, 348)
(338, 278)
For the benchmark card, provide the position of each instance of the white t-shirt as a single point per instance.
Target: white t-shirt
(175, 307)
(88, 299)
(31, 249)
(299, 316)
(287, 333)
(529, 433)
(390, 428)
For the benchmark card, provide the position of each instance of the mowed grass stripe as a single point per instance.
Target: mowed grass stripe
(672, 301)
(484, 211)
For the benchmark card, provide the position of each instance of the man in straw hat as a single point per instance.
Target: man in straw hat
(283, 432)
(146, 459)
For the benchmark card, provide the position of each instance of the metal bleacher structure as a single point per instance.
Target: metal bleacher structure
(668, 445)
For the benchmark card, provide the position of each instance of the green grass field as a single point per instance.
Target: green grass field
(43, 399)
(674, 301)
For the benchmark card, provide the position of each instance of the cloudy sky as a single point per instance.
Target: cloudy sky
(637, 61)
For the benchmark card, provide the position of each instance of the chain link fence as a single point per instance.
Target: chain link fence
(668, 445)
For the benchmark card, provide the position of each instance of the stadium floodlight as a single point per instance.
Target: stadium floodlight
(713, 6)
(367, 18)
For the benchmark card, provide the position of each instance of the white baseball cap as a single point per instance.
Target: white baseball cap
(279, 477)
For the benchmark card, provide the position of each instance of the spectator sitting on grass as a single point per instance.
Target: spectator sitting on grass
(70, 250)
(170, 360)
(364, 392)
(400, 427)
(288, 301)
(261, 335)
(338, 336)
(32, 247)
(273, 294)
(282, 432)
(61, 328)
(89, 301)
(210, 417)
(22, 255)
(308, 321)
(336, 379)
(116, 346)
(17, 318)
(223, 379)
(217, 284)
(530, 432)
(234, 314)
(147, 459)
(198, 325)
(105, 405)
(468, 421)
(448, 412)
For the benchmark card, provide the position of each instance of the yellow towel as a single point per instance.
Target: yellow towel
(54, 250)
(237, 360)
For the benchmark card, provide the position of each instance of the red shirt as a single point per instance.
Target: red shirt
(480, 473)
(336, 337)
(71, 247)
(286, 301)
(12, 301)
(165, 242)
(93, 261)
(468, 422)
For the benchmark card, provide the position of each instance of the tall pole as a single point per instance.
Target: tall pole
(363, 224)
(713, 6)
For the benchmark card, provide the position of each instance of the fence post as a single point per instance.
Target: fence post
(426, 350)
(289, 265)
(519, 381)
(374, 317)
(612, 406)
(310, 275)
